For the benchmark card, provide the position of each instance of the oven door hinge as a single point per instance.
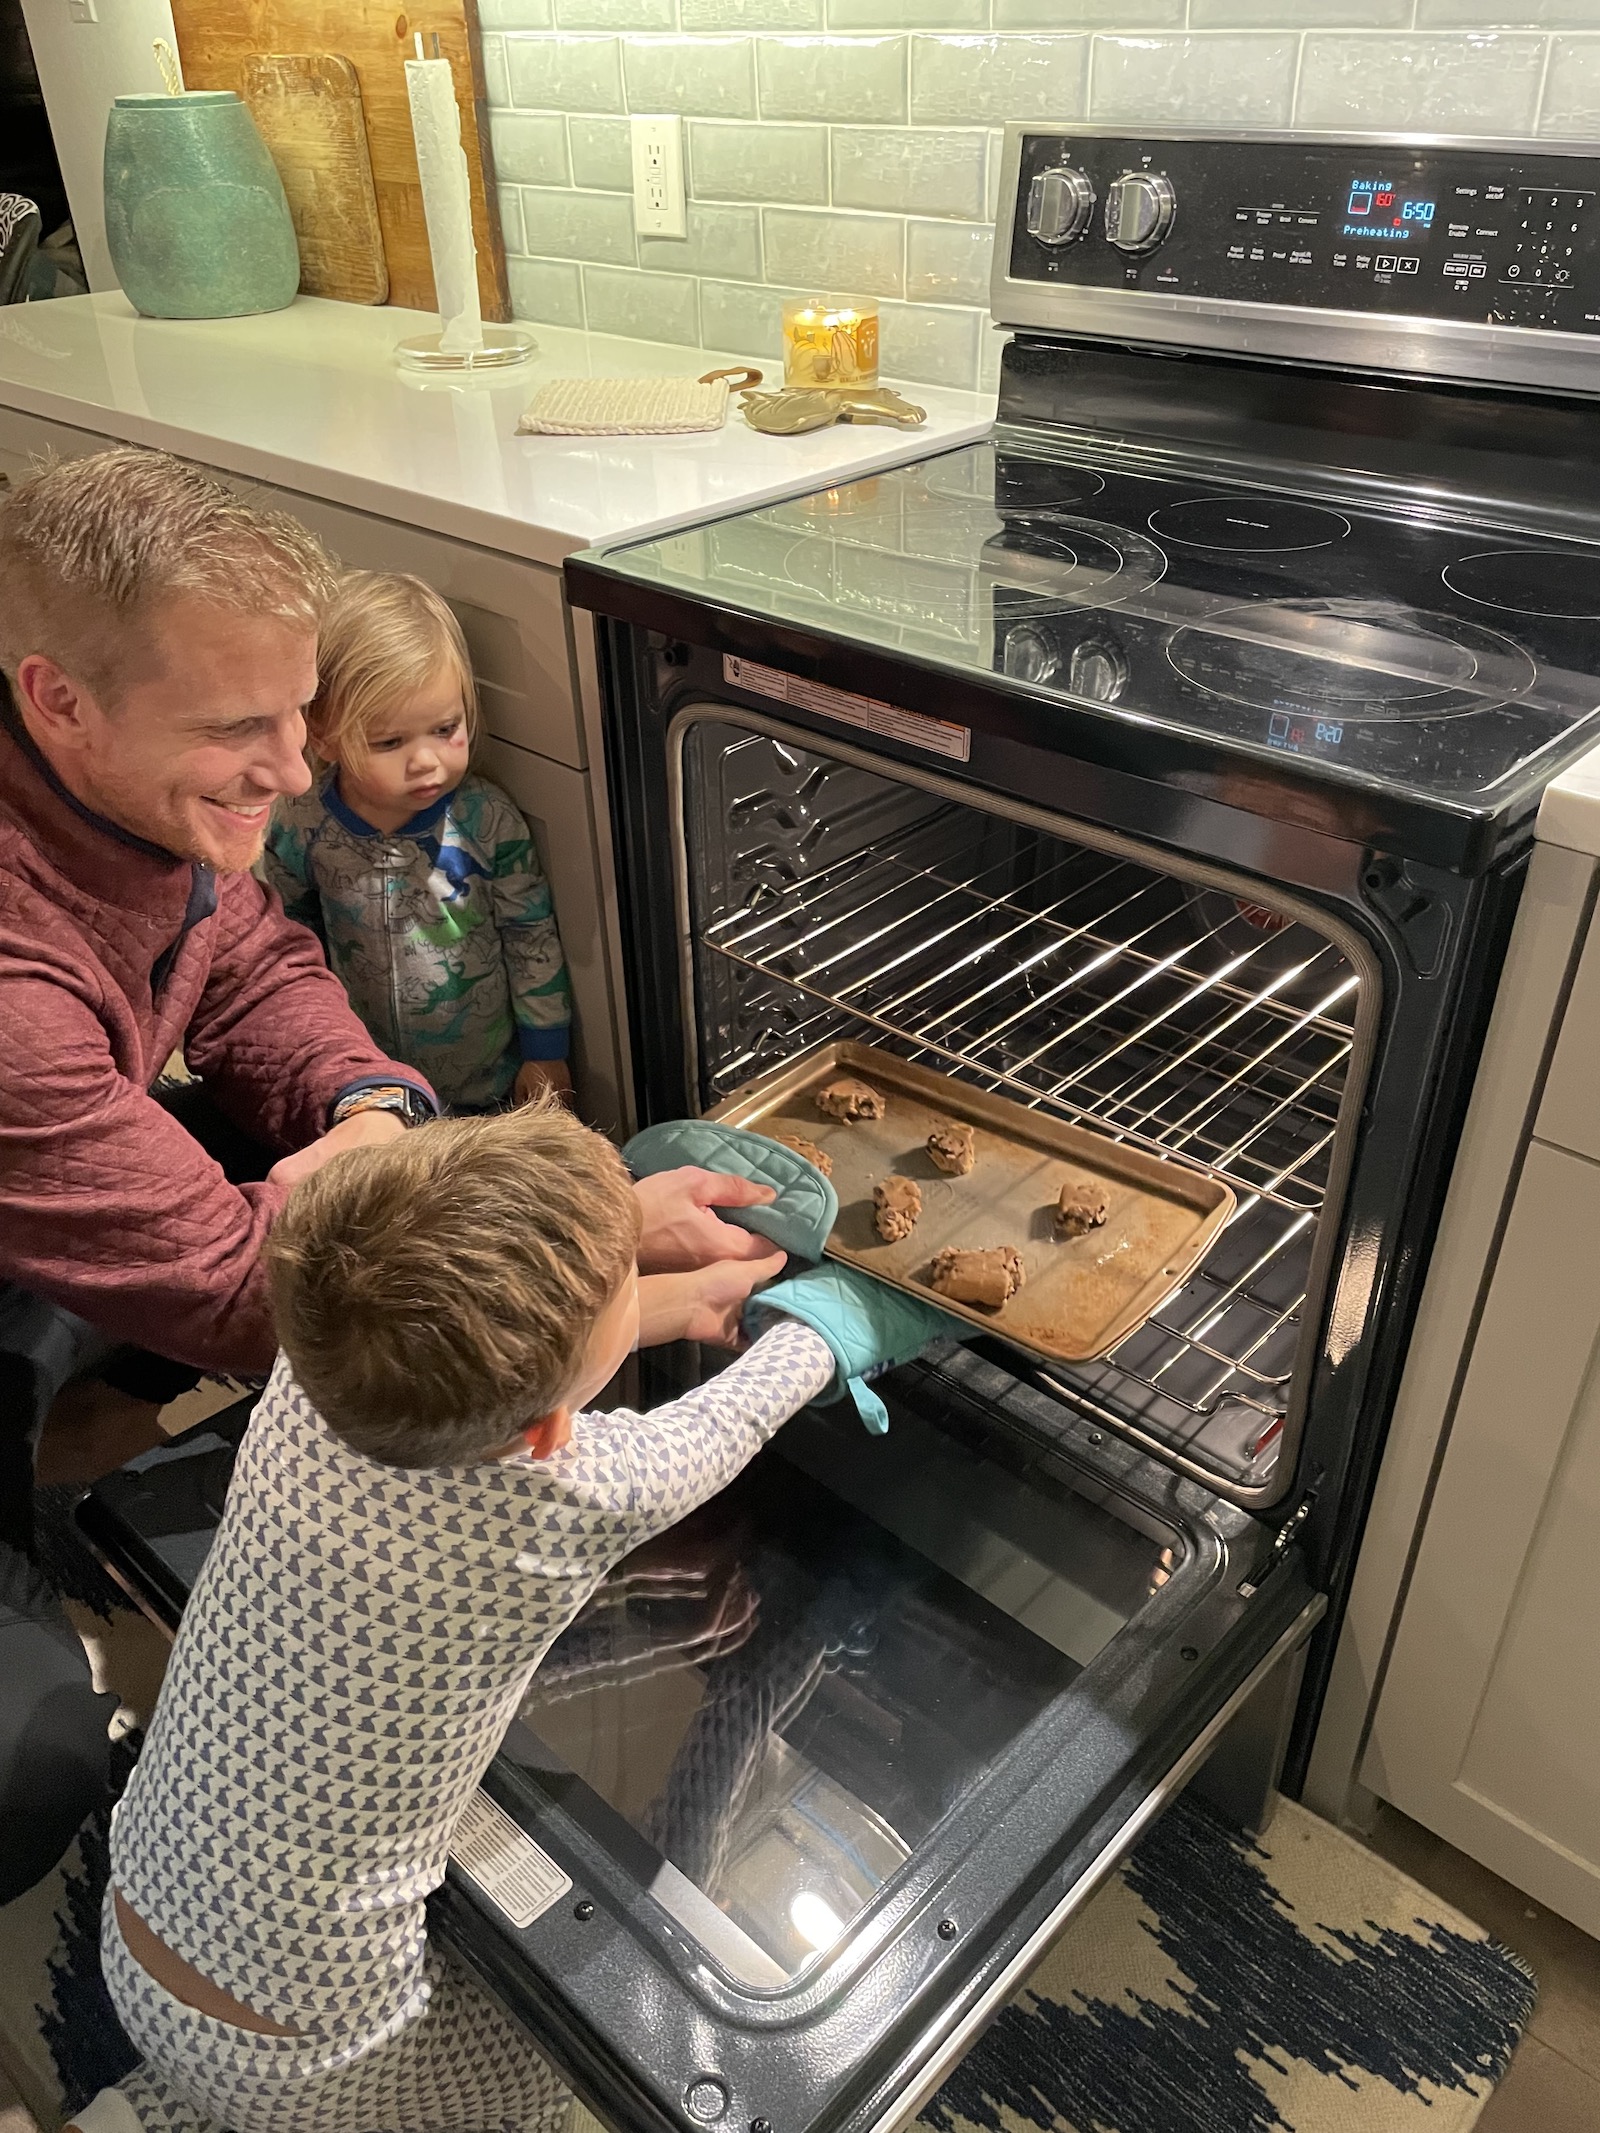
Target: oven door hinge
(1283, 1540)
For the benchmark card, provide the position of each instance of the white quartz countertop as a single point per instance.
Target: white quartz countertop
(1569, 813)
(311, 398)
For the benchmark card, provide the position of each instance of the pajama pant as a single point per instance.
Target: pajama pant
(461, 2065)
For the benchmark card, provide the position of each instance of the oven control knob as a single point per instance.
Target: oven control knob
(1098, 669)
(1060, 206)
(1029, 655)
(1139, 210)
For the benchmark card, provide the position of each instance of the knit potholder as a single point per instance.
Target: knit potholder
(625, 407)
(798, 1220)
(868, 1325)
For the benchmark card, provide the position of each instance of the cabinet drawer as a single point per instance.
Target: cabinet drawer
(557, 803)
(25, 439)
(1569, 1114)
(511, 613)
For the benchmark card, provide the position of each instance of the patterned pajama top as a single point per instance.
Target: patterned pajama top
(354, 1649)
(441, 932)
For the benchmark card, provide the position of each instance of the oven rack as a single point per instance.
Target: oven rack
(1116, 998)
(1170, 1020)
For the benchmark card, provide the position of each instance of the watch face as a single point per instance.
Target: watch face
(400, 1097)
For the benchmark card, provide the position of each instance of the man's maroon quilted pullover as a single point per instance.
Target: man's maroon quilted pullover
(113, 953)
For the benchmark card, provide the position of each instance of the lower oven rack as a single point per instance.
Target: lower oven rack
(1203, 1030)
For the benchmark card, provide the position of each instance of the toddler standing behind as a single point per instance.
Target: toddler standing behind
(420, 876)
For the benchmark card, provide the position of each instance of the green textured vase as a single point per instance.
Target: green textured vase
(196, 220)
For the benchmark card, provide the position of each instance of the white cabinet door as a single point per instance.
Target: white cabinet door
(558, 804)
(1488, 1727)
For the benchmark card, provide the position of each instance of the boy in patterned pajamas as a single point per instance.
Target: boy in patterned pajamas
(420, 876)
(420, 1507)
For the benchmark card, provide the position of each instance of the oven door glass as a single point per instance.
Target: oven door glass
(784, 1698)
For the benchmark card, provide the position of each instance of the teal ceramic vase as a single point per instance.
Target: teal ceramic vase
(196, 220)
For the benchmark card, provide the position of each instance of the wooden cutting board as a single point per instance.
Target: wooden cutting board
(308, 108)
(216, 39)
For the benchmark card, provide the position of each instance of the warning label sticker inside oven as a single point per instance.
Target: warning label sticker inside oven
(515, 1875)
(912, 727)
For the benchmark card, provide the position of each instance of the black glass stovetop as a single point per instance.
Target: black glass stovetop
(1435, 654)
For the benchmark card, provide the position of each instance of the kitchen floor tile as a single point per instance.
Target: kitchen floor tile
(1544, 2091)
(1566, 1961)
(13, 2118)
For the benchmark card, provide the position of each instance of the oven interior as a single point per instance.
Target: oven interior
(825, 900)
(773, 1718)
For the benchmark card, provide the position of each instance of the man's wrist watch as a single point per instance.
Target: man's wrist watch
(408, 1104)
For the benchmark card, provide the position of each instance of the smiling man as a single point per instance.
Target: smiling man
(158, 637)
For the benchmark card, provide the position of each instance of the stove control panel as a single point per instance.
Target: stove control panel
(1487, 235)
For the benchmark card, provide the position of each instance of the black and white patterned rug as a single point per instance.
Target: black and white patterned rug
(1296, 1984)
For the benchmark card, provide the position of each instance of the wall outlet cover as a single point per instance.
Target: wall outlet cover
(659, 204)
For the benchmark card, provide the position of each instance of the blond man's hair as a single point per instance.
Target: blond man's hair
(436, 1294)
(92, 549)
(385, 638)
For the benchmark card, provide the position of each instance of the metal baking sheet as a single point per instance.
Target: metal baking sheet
(1082, 1295)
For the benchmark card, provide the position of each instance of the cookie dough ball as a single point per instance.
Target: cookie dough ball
(850, 1099)
(815, 1156)
(1080, 1209)
(991, 1278)
(897, 1203)
(953, 1149)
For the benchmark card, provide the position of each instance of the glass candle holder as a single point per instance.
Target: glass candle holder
(831, 340)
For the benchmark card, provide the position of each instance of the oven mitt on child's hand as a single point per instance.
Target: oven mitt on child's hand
(867, 1324)
(798, 1220)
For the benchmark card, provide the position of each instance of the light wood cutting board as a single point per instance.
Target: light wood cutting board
(216, 38)
(308, 108)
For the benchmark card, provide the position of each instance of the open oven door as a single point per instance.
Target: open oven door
(830, 1767)
(814, 1780)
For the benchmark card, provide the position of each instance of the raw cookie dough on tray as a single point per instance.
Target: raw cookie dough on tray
(897, 1202)
(953, 1148)
(991, 1277)
(818, 1158)
(850, 1099)
(1081, 1208)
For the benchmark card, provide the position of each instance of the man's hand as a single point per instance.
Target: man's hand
(367, 1129)
(704, 1305)
(535, 1076)
(680, 1230)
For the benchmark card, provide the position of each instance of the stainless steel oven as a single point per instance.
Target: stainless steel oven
(1166, 762)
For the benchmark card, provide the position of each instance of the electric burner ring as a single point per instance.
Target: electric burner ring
(1553, 584)
(1011, 484)
(1248, 525)
(1366, 661)
(1069, 563)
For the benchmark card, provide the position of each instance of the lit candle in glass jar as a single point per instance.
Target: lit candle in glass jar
(831, 340)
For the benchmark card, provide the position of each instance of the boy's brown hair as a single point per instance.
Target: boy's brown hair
(436, 1294)
(385, 637)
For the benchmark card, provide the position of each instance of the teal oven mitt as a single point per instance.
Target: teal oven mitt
(867, 1324)
(798, 1220)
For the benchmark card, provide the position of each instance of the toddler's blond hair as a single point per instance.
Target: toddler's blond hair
(436, 1294)
(385, 637)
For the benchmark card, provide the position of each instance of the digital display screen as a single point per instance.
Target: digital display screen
(1287, 731)
(1383, 211)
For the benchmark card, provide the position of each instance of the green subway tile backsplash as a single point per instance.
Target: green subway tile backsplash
(853, 145)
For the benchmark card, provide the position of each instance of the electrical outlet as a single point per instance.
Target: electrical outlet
(659, 206)
(82, 11)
